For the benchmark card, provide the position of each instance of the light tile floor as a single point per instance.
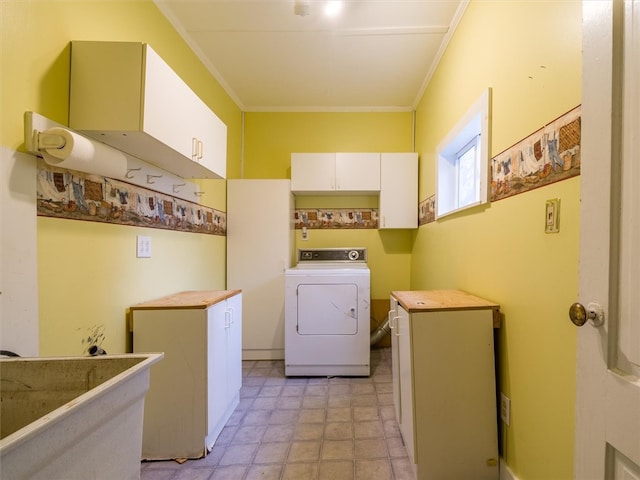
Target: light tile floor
(316, 428)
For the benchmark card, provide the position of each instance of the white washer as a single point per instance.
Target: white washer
(327, 313)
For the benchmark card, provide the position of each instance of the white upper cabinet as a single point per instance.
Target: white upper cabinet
(358, 172)
(313, 172)
(398, 190)
(335, 173)
(392, 176)
(125, 95)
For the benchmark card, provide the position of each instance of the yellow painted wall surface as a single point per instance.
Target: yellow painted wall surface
(529, 52)
(270, 138)
(88, 273)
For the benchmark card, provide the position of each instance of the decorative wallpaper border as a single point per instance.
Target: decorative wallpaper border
(548, 155)
(336, 218)
(427, 210)
(93, 198)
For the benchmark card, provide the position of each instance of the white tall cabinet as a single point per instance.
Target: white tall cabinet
(196, 387)
(260, 247)
(444, 385)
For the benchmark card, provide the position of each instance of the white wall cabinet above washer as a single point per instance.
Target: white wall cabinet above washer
(123, 94)
(398, 190)
(335, 173)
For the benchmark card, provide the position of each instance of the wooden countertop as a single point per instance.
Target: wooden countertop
(414, 301)
(190, 299)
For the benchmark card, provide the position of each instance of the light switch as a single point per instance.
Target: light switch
(143, 246)
(552, 220)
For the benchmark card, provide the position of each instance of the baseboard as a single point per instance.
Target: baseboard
(263, 354)
(505, 471)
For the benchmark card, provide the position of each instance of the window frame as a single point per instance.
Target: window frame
(472, 128)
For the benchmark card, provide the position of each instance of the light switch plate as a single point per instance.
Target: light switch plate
(143, 246)
(552, 216)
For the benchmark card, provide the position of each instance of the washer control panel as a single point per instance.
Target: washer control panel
(332, 255)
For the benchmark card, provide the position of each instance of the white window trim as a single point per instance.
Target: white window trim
(476, 121)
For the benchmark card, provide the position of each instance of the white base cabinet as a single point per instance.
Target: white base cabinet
(196, 388)
(444, 383)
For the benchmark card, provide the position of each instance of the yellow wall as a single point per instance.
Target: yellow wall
(529, 52)
(87, 272)
(270, 138)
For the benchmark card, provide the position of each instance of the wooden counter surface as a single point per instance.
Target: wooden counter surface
(191, 299)
(415, 301)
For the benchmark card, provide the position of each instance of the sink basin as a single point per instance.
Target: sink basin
(73, 417)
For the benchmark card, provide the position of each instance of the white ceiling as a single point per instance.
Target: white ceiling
(376, 55)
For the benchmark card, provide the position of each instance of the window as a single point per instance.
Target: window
(463, 161)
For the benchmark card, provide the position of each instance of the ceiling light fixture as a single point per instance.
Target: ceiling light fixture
(333, 7)
(302, 7)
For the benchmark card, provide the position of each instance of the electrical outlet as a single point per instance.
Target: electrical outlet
(505, 408)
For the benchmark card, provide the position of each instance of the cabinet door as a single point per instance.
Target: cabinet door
(234, 344)
(358, 172)
(167, 103)
(217, 363)
(208, 136)
(395, 357)
(406, 382)
(399, 190)
(214, 140)
(313, 172)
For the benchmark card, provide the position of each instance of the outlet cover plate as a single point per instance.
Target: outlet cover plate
(143, 249)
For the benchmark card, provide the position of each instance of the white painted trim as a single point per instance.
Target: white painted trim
(505, 471)
(443, 47)
(19, 328)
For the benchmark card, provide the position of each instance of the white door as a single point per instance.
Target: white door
(608, 386)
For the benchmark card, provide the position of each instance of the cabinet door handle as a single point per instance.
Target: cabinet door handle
(194, 148)
(390, 318)
(200, 149)
(396, 318)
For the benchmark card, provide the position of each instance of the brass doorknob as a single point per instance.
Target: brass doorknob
(579, 315)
